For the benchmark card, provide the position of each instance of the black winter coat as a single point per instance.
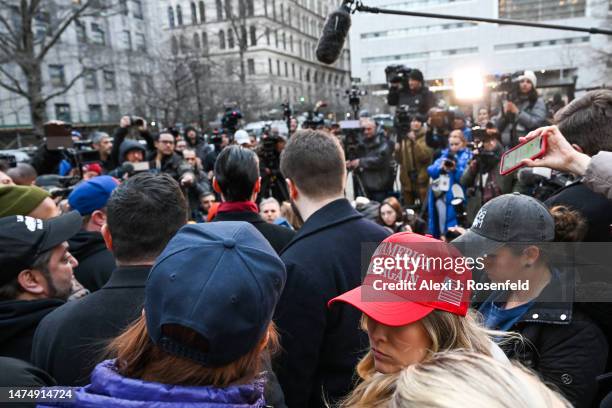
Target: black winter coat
(96, 263)
(562, 343)
(276, 235)
(321, 346)
(421, 101)
(375, 166)
(18, 322)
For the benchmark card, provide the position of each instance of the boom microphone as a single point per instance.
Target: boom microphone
(334, 33)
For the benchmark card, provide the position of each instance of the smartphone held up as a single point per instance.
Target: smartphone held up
(512, 160)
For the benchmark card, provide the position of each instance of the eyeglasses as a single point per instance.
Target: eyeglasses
(169, 142)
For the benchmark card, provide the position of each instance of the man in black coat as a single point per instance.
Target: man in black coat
(142, 215)
(96, 262)
(237, 180)
(36, 276)
(320, 346)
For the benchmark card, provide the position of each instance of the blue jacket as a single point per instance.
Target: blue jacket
(462, 159)
(321, 346)
(109, 389)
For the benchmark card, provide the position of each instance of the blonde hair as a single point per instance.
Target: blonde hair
(446, 331)
(466, 379)
(458, 133)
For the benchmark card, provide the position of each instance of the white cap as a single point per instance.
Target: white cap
(531, 76)
(242, 137)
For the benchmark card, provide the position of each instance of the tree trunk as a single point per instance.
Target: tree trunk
(242, 73)
(38, 107)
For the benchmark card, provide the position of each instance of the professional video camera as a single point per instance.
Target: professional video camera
(354, 95)
(230, 120)
(403, 116)
(508, 86)
(398, 73)
(9, 159)
(57, 186)
(314, 119)
(351, 139)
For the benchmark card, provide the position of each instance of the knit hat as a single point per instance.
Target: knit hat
(531, 76)
(416, 75)
(20, 200)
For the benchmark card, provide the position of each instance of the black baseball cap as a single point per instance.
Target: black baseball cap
(509, 218)
(23, 239)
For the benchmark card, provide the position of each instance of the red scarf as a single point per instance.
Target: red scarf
(238, 206)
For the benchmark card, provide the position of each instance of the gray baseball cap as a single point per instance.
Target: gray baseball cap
(509, 218)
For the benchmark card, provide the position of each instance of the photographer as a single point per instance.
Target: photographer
(446, 172)
(406, 87)
(119, 152)
(374, 167)
(272, 181)
(522, 112)
(414, 156)
(481, 179)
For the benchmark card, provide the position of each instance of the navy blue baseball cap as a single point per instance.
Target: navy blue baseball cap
(92, 195)
(221, 280)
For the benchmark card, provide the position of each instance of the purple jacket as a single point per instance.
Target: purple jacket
(109, 389)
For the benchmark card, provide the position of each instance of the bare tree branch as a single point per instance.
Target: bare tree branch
(62, 27)
(16, 87)
(67, 87)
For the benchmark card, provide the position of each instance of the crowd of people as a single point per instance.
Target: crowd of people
(181, 271)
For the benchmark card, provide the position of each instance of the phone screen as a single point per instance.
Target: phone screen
(526, 151)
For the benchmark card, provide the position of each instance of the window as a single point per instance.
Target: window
(274, 9)
(251, 66)
(253, 30)
(278, 67)
(289, 15)
(62, 112)
(56, 75)
(179, 15)
(268, 35)
(301, 73)
(137, 11)
(241, 8)
(81, 32)
(276, 38)
(114, 114)
(282, 12)
(270, 65)
(284, 42)
(538, 10)
(228, 8)
(272, 91)
(230, 39)
(219, 10)
(286, 69)
(221, 39)
(205, 42)
(250, 8)
(127, 39)
(91, 79)
(291, 43)
(266, 9)
(183, 44)
(202, 12)
(123, 4)
(135, 83)
(293, 70)
(95, 113)
(171, 17)
(174, 45)
(196, 41)
(97, 34)
(244, 38)
(194, 13)
(110, 84)
(141, 42)
(229, 69)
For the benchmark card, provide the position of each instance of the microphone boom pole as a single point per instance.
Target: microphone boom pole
(359, 6)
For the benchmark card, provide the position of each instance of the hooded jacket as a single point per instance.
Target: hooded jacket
(96, 263)
(129, 145)
(109, 389)
(18, 321)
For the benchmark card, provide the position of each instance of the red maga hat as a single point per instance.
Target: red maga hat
(409, 276)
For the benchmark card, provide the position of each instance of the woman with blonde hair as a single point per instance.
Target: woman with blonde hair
(467, 379)
(408, 326)
(205, 334)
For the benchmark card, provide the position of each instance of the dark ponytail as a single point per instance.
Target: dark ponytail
(570, 225)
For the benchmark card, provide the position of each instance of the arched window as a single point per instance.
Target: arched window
(183, 43)
(230, 39)
(291, 43)
(221, 39)
(276, 38)
(171, 17)
(196, 41)
(284, 42)
(174, 45)
(253, 33)
(219, 10)
(205, 42)
(307, 75)
(194, 13)
(179, 16)
(202, 12)
(268, 35)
